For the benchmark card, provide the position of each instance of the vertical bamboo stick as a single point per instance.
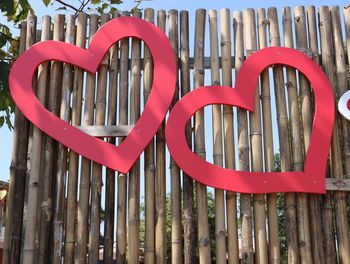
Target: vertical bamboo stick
(160, 228)
(45, 211)
(342, 87)
(72, 183)
(298, 164)
(341, 80)
(134, 175)
(327, 203)
(336, 158)
(110, 174)
(188, 210)
(176, 228)
(65, 113)
(306, 119)
(96, 177)
(199, 137)
(243, 148)
(52, 184)
(15, 198)
(149, 166)
(220, 230)
(231, 199)
(123, 120)
(31, 39)
(84, 188)
(282, 121)
(33, 184)
(274, 247)
(256, 146)
(38, 140)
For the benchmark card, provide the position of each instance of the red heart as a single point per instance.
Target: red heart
(120, 157)
(311, 180)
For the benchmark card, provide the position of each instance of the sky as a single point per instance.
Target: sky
(191, 6)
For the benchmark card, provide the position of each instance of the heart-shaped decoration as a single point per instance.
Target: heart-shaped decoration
(122, 157)
(344, 105)
(311, 180)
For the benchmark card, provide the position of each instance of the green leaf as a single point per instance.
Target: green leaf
(7, 6)
(95, 2)
(46, 2)
(62, 8)
(2, 120)
(116, 2)
(3, 40)
(113, 10)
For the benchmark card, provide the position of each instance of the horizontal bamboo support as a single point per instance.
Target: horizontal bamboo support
(333, 184)
(106, 131)
(207, 63)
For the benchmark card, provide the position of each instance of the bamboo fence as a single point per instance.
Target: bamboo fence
(63, 208)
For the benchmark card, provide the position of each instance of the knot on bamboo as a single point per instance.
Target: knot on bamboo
(304, 244)
(18, 168)
(221, 233)
(289, 85)
(224, 42)
(265, 22)
(204, 242)
(199, 71)
(260, 201)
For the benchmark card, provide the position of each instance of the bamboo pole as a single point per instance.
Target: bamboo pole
(336, 157)
(29, 244)
(298, 159)
(220, 230)
(176, 227)
(123, 120)
(15, 198)
(342, 84)
(306, 119)
(84, 188)
(273, 234)
(110, 174)
(256, 146)
(149, 166)
(72, 183)
(96, 177)
(199, 140)
(188, 202)
(282, 121)
(230, 163)
(341, 88)
(134, 175)
(160, 228)
(54, 184)
(38, 140)
(31, 39)
(243, 148)
(327, 203)
(65, 114)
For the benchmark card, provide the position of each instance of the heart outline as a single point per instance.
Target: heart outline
(311, 180)
(122, 157)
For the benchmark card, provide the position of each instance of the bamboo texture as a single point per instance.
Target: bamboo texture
(63, 208)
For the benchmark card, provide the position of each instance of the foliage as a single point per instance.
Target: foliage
(281, 217)
(16, 11)
(211, 220)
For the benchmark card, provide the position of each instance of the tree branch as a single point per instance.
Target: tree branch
(7, 36)
(82, 6)
(7, 54)
(68, 5)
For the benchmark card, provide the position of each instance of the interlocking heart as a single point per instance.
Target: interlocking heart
(122, 157)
